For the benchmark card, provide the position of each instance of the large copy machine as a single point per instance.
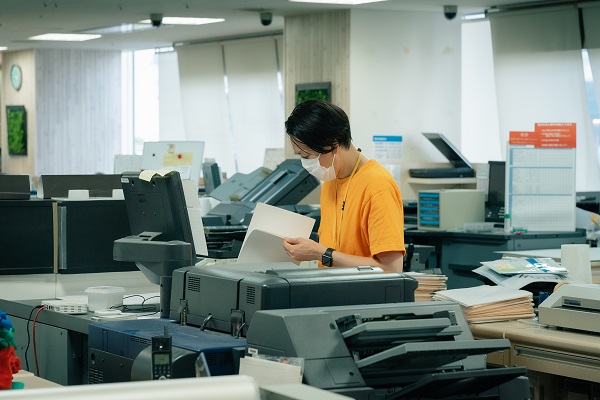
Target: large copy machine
(388, 351)
(225, 298)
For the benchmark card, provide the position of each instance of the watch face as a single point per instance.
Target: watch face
(16, 76)
(326, 259)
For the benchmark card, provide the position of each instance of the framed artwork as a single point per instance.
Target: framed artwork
(16, 119)
(315, 90)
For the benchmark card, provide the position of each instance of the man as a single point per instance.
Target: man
(362, 219)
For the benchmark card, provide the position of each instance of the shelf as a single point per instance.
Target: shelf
(442, 181)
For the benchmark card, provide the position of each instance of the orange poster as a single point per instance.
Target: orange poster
(557, 135)
(519, 138)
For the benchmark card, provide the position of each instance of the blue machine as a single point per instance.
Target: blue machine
(115, 345)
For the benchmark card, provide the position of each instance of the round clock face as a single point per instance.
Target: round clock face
(16, 76)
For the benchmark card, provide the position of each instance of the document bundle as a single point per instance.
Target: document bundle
(490, 303)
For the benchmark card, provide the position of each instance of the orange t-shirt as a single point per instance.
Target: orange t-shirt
(372, 221)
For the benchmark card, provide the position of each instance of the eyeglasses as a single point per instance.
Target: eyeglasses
(305, 154)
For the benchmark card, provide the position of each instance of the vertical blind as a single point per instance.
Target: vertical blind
(231, 98)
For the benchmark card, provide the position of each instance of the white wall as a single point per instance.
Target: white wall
(404, 79)
(481, 140)
(171, 125)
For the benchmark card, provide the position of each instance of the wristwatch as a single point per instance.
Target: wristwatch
(327, 258)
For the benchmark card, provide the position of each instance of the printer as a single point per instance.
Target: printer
(225, 225)
(225, 298)
(388, 351)
(286, 185)
(573, 306)
(120, 351)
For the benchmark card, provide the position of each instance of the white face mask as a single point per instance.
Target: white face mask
(314, 167)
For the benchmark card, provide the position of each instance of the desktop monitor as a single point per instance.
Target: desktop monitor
(14, 187)
(184, 157)
(494, 206)
(161, 232)
(162, 239)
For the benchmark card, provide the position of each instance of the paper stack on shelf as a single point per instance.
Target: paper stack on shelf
(490, 303)
(428, 285)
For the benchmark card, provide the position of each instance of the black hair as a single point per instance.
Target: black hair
(319, 125)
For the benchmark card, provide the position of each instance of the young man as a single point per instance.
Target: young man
(362, 219)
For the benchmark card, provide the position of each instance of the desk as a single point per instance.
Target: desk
(559, 353)
(459, 253)
(64, 236)
(31, 381)
(62, 341)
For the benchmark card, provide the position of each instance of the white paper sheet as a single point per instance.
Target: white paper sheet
(260, 244)
(272, 225)
(480, 295)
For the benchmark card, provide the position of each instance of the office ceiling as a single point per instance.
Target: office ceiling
(21, 19)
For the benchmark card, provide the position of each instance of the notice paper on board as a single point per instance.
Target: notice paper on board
(268, 226)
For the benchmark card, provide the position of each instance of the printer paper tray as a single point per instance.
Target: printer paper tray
(444, 352)
(370, 333)
(461, 383)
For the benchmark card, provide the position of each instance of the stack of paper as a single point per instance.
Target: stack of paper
(518, 272)
(490, 303)
(428, 285)
(526, 265)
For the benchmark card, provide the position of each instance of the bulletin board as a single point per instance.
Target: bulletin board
(540, 179)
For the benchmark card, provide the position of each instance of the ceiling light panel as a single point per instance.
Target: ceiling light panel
(340, 2)
(65, 37)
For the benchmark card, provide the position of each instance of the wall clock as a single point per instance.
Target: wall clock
(16, 76)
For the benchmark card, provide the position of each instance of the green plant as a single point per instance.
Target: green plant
(17, 130)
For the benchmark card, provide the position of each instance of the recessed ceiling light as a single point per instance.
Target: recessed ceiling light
(123, 28)
(185, 21)
(65, 37)
(471, 17)
(344, 2)
(2, 48)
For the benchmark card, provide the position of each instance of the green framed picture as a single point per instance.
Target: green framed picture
(16, 119)
(314, 90)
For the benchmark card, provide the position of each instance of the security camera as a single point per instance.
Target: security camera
(450, 12)
(156, 20)
(266, 18)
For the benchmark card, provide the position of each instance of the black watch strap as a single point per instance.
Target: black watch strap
(327, 257)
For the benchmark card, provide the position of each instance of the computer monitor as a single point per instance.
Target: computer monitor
(496, 192)
(162, 239)
(161, 233)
